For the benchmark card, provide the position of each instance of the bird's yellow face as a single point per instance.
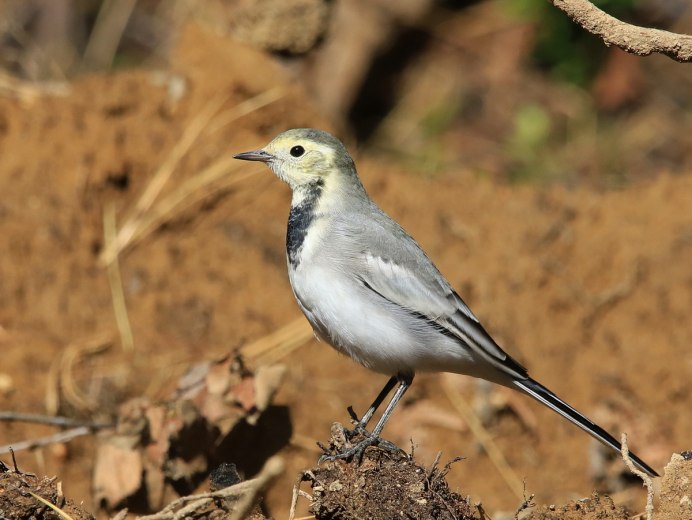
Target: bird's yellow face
(302, 157)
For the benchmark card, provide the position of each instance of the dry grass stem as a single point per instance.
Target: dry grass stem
(160, 178)
(190, 135)
(60, 512)
(144, 218)
(53, 387)
(73, 355)
(107, 32)
(190, 192)
(246, 107)
(273, 347)
(482, 435)
(61, 382)
(116, 283)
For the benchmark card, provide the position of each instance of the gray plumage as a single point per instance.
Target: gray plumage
(369, 290)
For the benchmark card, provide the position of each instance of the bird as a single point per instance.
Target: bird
(372, 293)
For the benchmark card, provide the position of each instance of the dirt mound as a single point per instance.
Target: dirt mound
(384, 486)
(24, 495)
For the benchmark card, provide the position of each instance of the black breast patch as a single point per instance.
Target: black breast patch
(299, 220)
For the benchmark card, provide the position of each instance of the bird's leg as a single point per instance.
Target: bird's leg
(360, 424)
(373, 438)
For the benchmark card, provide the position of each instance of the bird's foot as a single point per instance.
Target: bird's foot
(357, 450)
(341, 447)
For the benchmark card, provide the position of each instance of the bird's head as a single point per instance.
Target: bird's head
(304, 156)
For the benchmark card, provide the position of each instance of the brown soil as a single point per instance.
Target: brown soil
(588, 508)
(16, 500)
(675, 500)
(384, 485)
(591, 290)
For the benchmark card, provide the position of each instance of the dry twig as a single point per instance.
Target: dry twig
(51, 420)
(120, 515)
(526, 504)
(78, 429)
(245, 493)
(30, 444)
(641, 41)
(646, 479)
(297, 492)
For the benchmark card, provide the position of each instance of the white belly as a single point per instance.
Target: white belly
(372, 331)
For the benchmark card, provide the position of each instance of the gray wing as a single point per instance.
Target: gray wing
(396, 268)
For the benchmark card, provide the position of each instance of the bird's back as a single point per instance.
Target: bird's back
(373, 293)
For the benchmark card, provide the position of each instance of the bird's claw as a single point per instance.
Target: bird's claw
(358, 449)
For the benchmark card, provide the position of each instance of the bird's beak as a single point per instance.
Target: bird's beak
(256, 155)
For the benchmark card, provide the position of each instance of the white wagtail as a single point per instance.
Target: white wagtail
(369, 290)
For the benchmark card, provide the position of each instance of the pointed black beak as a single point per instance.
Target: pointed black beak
(256, 155)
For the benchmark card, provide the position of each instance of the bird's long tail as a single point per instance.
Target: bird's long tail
(548, 398)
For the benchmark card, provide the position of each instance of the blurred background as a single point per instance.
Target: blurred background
(514, 88)
(546, 174)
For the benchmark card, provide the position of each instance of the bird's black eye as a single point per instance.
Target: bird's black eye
(297, 151)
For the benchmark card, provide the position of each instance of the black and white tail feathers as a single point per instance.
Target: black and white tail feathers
(545, 396)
